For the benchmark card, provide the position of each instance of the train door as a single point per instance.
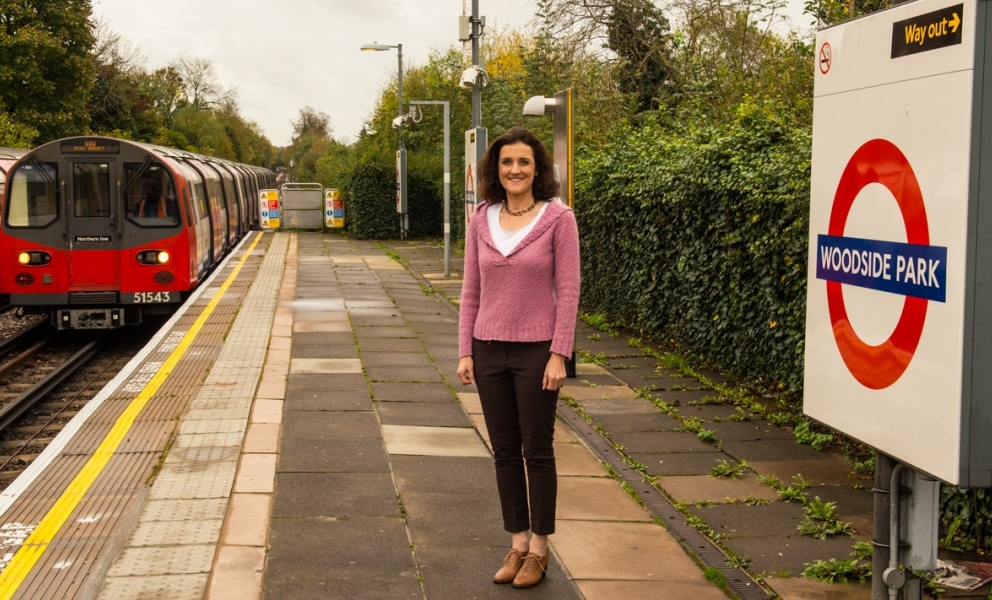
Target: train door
(93, 227)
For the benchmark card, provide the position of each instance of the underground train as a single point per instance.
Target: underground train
(99, 232)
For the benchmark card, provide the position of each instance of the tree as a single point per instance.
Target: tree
(45, 64)
(200, 87)
(637, 32)
(313, 123)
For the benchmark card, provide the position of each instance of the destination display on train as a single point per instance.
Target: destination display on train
(92, 147)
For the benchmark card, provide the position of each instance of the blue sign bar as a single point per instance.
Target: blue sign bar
(904, 269)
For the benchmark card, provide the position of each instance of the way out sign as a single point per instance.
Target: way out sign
(899, 301)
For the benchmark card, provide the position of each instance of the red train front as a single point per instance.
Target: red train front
(98, 232)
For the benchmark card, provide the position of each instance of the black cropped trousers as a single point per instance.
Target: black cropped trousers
(520, 418)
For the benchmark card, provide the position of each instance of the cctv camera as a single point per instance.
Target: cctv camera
(397, 122)
(469, 77)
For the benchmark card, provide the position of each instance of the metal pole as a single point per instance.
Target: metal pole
(447, 177)
(404, 222)
(447, 194)
(880, 530)
(477, 88)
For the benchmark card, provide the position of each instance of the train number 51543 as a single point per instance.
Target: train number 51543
(151, 297)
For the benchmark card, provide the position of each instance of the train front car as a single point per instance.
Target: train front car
(100, 232)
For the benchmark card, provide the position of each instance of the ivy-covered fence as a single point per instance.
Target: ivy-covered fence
(700, 237)
(370, 203)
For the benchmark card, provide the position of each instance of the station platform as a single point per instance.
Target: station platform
(299, 432)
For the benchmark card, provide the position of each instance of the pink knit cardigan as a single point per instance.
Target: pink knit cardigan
(532, 295)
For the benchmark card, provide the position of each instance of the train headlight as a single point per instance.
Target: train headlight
(154, 257)
(34, 258)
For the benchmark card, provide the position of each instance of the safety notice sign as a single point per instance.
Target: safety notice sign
(899, 325)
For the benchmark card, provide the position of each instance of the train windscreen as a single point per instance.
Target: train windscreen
(34, 197)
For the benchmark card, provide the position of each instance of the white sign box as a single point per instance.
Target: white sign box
(899, 313)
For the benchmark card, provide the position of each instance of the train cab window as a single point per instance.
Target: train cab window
(91, 189)
(150, 198)
(34, 197)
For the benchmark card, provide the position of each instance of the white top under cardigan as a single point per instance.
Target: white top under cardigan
(505, 240)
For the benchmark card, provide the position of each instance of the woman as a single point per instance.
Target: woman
(519, 301)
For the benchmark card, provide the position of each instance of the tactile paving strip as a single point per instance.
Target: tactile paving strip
(73, 561)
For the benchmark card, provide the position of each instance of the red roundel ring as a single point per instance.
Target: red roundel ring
(879, 161)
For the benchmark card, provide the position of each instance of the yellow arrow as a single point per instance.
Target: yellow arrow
(954, 23)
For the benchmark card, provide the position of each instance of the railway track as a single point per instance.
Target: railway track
(45, 380)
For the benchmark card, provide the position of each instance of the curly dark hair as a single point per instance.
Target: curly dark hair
(545, 183)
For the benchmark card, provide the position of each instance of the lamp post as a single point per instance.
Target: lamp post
(401, 197)
(447, 180)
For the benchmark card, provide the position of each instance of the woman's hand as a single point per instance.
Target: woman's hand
(466, 370)
(554, 373)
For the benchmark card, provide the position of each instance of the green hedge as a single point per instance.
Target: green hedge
(700, 237)
(370, 203)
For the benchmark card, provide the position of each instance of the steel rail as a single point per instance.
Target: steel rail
(10, 344)
(17, 407)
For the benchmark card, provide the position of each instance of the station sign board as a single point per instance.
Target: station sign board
(476, 141)
(333, 209)
(268, 209)
(899, 300)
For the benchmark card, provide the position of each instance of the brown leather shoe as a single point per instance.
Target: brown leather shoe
(533, 570)
(511, 565)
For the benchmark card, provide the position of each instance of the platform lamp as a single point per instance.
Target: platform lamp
(401, 192)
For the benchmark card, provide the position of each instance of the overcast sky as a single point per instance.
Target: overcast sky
(282, 56)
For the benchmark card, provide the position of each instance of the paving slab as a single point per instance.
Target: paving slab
(611, 392)
(340, 559)
(706, 488)
(445, 475)
(326, 365)
(740, 520)
(410, 392)
(596, 499)
(622, 551)
(433, 441)
(773, 554)
(771, 450)
(395, 359)
(661, 441)
(831, 471)
(460, 573)
(680, 463)
(348, 350)
(575, 460)
(668, 590)
(326, 383)
(354, 400)
(334, 495)
(470, 403)
(319, 425)
(657, 421)
(800, 588)
(404, 374)
(618, 407)
(435, 414)
(749, 431)
(334, 456)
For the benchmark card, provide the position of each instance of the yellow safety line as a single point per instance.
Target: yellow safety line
(28, 554)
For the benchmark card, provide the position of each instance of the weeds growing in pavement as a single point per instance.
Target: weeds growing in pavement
(729, 469)
(600, 322)
(821, 521)
(714, 576)
(806, 435)
(841, 571)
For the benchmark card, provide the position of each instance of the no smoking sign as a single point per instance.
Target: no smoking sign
(825, 59)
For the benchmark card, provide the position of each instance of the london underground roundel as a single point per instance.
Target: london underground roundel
(915, 269)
